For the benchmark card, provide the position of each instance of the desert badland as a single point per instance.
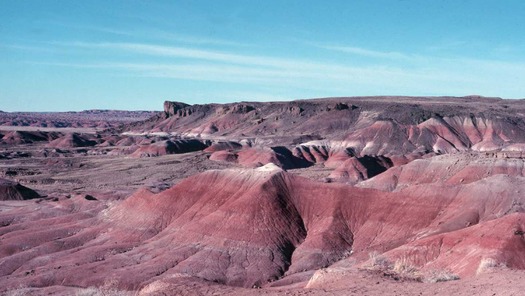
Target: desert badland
(334, 196)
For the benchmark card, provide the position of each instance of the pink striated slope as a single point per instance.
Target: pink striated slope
(247, 227)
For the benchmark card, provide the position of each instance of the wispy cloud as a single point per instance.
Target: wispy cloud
(194, 71)
(367, 52)
(447, 45)
(425, 75)
(108, 30)
(200, 40)
(182, 52)
(235, 68)
(285, 65)
(88, 27)
(151, 33)
(33, 48)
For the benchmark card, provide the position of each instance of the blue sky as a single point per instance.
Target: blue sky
(76, 55)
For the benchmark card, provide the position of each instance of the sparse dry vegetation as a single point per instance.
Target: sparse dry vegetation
(487, 264)
(403, 268)
(20, 291)
(440, 275)
(378, 261)
(110, 288)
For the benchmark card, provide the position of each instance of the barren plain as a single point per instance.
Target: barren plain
(334, 196)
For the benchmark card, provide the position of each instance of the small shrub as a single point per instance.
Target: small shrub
(402, 266)
(400, 269)
(440, 275)
(108, 289)
(91, 291)
(488, 263)
(378, 261)
(20, 291)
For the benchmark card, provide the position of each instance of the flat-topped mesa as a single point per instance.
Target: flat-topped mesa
(367, 125)
(171, 108)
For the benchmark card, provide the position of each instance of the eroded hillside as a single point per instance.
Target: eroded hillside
(328, 195)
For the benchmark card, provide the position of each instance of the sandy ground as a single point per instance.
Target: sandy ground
(111, 175)
(500, 282)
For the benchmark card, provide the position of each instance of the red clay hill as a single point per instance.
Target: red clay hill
(337, 196)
